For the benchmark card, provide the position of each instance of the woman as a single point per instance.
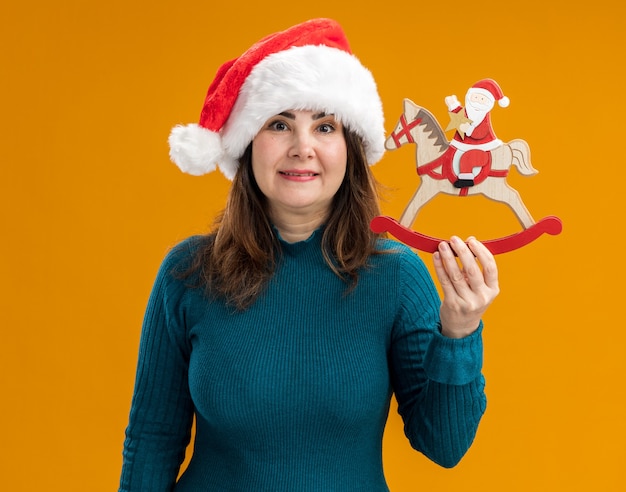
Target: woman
(286, 330)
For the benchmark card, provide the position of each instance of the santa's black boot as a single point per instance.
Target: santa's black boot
(463, 183)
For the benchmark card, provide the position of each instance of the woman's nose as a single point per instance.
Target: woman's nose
(302, 145)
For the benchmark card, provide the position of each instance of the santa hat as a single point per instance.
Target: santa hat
(491, 89)
(306, 67)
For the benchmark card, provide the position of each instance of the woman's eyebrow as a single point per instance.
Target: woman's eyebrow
(292, 116)
(322, 115)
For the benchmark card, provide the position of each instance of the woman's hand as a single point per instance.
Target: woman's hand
(468, 287)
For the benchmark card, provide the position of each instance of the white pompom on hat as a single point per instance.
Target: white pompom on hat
(492, 90)
(306, 67)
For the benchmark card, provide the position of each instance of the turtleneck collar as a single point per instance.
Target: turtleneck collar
(313, 241)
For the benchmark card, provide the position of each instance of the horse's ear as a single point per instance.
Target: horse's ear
(407, 104)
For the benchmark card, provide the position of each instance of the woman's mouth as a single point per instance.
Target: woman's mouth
(298, 174)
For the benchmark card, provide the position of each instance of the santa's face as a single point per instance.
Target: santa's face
(480, 101)
(477, 105)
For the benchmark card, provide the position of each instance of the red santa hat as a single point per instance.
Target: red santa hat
(492, 90)
(306, 67)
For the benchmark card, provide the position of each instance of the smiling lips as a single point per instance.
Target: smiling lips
(297, 175)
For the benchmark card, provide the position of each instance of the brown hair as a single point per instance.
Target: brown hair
(237, 260)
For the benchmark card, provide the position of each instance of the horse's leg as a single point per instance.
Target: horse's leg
(499, 190)
(425, 192)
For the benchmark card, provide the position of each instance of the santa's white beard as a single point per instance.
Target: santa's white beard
(477, 112)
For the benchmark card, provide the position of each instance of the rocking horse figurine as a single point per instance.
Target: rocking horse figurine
(474, 162)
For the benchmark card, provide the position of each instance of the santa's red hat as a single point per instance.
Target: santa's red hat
(492, 90)
(306, 67)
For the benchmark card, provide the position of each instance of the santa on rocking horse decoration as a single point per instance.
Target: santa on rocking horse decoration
(474, 162)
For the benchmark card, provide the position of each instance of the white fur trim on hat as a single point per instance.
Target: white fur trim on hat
(314, 78)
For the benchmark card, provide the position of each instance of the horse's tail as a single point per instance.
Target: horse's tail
(521, 157)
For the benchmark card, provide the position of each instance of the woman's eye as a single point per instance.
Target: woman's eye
(278, 126)
(326, 128)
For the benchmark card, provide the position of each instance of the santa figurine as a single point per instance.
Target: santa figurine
(474, 137)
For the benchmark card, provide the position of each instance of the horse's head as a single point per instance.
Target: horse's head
(403, 132)
(418, 126)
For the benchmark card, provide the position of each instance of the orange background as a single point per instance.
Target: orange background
(90, 204)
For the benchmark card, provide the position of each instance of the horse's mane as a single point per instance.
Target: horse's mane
(431, 126)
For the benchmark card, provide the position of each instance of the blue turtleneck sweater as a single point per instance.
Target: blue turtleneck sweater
(293, 393)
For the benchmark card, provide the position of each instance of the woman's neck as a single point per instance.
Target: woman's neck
(294, 227)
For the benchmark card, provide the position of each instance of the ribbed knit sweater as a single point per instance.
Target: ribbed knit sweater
(293, 393)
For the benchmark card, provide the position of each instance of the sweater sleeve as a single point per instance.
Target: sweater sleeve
(437, 381)
(161, 412)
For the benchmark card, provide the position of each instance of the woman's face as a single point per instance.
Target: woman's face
(299, 162)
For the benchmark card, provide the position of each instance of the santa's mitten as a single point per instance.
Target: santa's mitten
(452, 102)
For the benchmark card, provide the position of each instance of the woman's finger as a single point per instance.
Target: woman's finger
(455, 276)
(442, 275)
(471, 269)
(487, 261)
